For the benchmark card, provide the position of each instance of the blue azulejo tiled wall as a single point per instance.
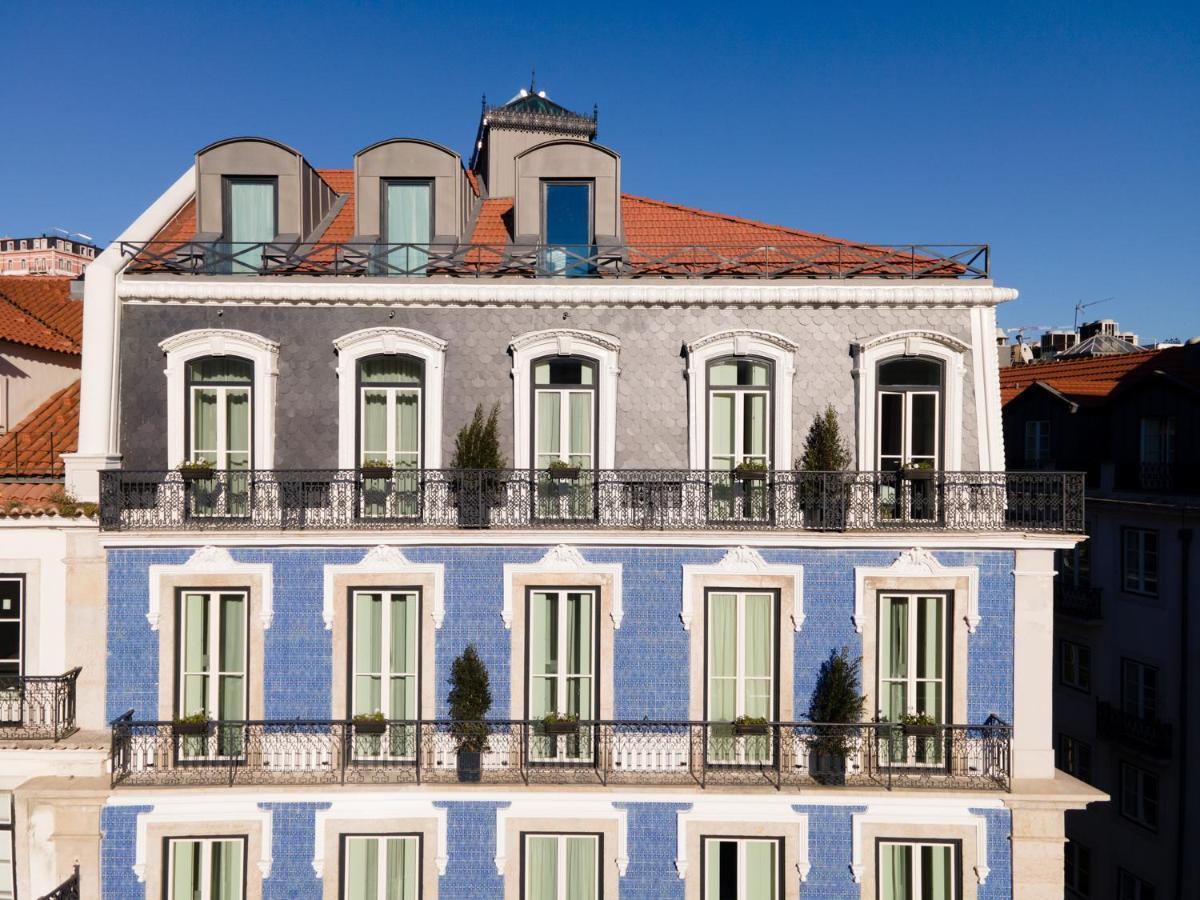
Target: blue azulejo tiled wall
(652, 845)
(650, 648)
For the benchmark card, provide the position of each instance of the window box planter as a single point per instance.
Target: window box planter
(191, 729)
(751, 728)
(558, 727)
(195, 473)
(370, 726)
(563, 473)
(921, 731)
(379, 475)
(750, 473)
(917, 473)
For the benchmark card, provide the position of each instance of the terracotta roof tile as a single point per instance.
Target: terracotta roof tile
(182, 226)
(342, 227)
(39, 312)
(1099, 376)
(35, 446)
(23, 498)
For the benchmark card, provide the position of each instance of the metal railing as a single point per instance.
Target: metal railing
(788, 259)
(22, 456)
(700, 754)
(1152, 735)
(1079, 601)
(37, 707)
(68, 890)
(644, 499)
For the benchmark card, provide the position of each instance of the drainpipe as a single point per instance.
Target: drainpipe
(1185, 548)
(101, 329)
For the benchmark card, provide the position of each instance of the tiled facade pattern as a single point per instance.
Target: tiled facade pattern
(650, 649)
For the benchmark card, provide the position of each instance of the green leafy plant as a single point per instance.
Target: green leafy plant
(561, 465)
(196, 465)
(369, 717)
(750, 720)
(922, 720)
(196, 718)
(751, 465)
(836, 702)
(477, 445)
(555, 718)
(824, 448)
(375, 467)
(66, 505)
(470, 699)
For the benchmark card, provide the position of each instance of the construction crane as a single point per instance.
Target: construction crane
(1080, 306)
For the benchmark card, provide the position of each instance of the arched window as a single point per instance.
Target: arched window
(220, 411)
(909, 413)
(564, 412)
(391, 410)
(739, 412)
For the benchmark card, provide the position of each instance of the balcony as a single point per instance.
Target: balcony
(68, 890)
(625, 499)
(613, 261)
(1148, 735)
(1079, 601)
(1158, 478)
(37, 707)
(696, 754)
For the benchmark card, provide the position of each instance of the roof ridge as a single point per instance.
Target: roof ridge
(28, 312)
(741, 220)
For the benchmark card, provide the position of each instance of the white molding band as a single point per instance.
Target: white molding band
(386, 560)
(549, 809)
(917, 563)
(636, 293)
(210, 809)
(741, 342)
(210, 560)
(914, 342)
(740, 562)
(604, 349)
(264, 354)
(919, 814)
(562, 560)
(390, 341)
(741, 812)
(373, 809)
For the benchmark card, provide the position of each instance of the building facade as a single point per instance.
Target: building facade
(45, 255)
(1125, 670)
(301, 543)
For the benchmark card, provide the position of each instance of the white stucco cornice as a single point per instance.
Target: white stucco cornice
(386, 560)
(737, 337)
(917, 564)
(563, 559)
(632, 293)
(564, 341)
(911, 335)
(210, 560)
(217, 342)
(385, 339)
(741, 562)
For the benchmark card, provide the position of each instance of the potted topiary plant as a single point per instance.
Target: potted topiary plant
(478, 462)
(193, 725)
(746, 725)
(836, 707)
(820, 488)
(562, 470)
(560, 723)
(750, 470)
(470, 699)
(370, 723)
(195, 470)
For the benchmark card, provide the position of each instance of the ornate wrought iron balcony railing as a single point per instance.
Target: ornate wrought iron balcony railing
(37, 707)
(644, 499)
(68, 890)
(467, 260)
(699, 754)
(1151, 735)
(1078, 601)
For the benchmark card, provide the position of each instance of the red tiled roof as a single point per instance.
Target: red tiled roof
(39, 312)
(1097, 377)
(473, 180)
(342, 227)
(34, 447)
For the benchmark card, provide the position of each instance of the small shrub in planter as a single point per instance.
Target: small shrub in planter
(470, 699)
(750, 725)
(196, 470)
(918, 471)
(370, 723)
(376, 468)
(562, 470)
(836, 707)
(477, 483)
(750, 471)
(919, 725)
(195, 724)
(567, 723)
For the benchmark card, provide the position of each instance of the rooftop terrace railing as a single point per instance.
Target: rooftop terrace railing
(788, 259)
(699, 754)
(626, 499)
(37, 707)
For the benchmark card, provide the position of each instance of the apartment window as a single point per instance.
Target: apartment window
(211, 658)
(391, 432)
(1139, 560)
(742, 666)
(1075, 757)
(567, 227)
(1037, 442)
(12, 638)
(206, 868)
(560, 866)
(1139, 689)
(381, 867)
(250, 215)
(1075, 665)
(1075, 564)
(1157, 440)
(385, 662)
(909, 423)
(1130, 887)
(913, 635)
(739, 412)
(564, 411)
(1139, 795)
(407, 225)
(561, 662)
(1077, 863)
(742, 868)
(918, 870)
(219, 408)
(8, 871)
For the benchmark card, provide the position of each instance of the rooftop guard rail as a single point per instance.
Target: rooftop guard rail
(37, 707)
(700, 754)
(630, 499)
(787, 259)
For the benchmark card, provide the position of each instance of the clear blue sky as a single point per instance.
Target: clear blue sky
(1065, 135)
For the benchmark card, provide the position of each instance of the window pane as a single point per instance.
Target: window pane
(226, 870)
(758, 639)
(404, 633)
(362, 866)
(924, 424)
(237, 427)
(408, 423)
(581, 428)
(937, 871)
(910, 371)
(754, 425)
(401, 872)
(722, 425)
(930, 631)
(251, 211)
(227, 369)
(891, 419)
(185, 870)
(761, 870)
(408, 213)
(581, 868)
(565, 371)
(579, 634)
(723, 373)
(204, 423)
(895, 872)
(395, 370)
(374, 424)
(233, 632)
(541, 868)
(568, 214)
(548, 425)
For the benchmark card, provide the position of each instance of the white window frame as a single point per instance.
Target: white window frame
(1164, 437)
(911, 681)
(916, 845)
(561, 677)
(741, 863)
(951, 352)
(221, 451)
(391, 392)
(739, 676)
(1138, 670)
(564, 423)
(206, 847)
(906, 456)
(1137, 778)
(1077, 861)
(214, 673)
(561, 873)
(386, 674)
(739, 395)
(387, 341)
(381, 869)
(1071, 664)
(180, 349)
(775, 348)
(1134, 581)
(602, 349)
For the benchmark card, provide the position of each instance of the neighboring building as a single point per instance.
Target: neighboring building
(45, 255)
(1099, 338)
(1126, 668)
(40, 332)
(277, 360)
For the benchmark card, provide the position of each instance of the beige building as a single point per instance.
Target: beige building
(45, 254)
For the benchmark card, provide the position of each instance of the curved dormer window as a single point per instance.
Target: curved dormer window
(250, 222)
(567, 231)
(407, 224)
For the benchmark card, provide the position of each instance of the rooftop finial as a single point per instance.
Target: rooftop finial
(533, 79)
